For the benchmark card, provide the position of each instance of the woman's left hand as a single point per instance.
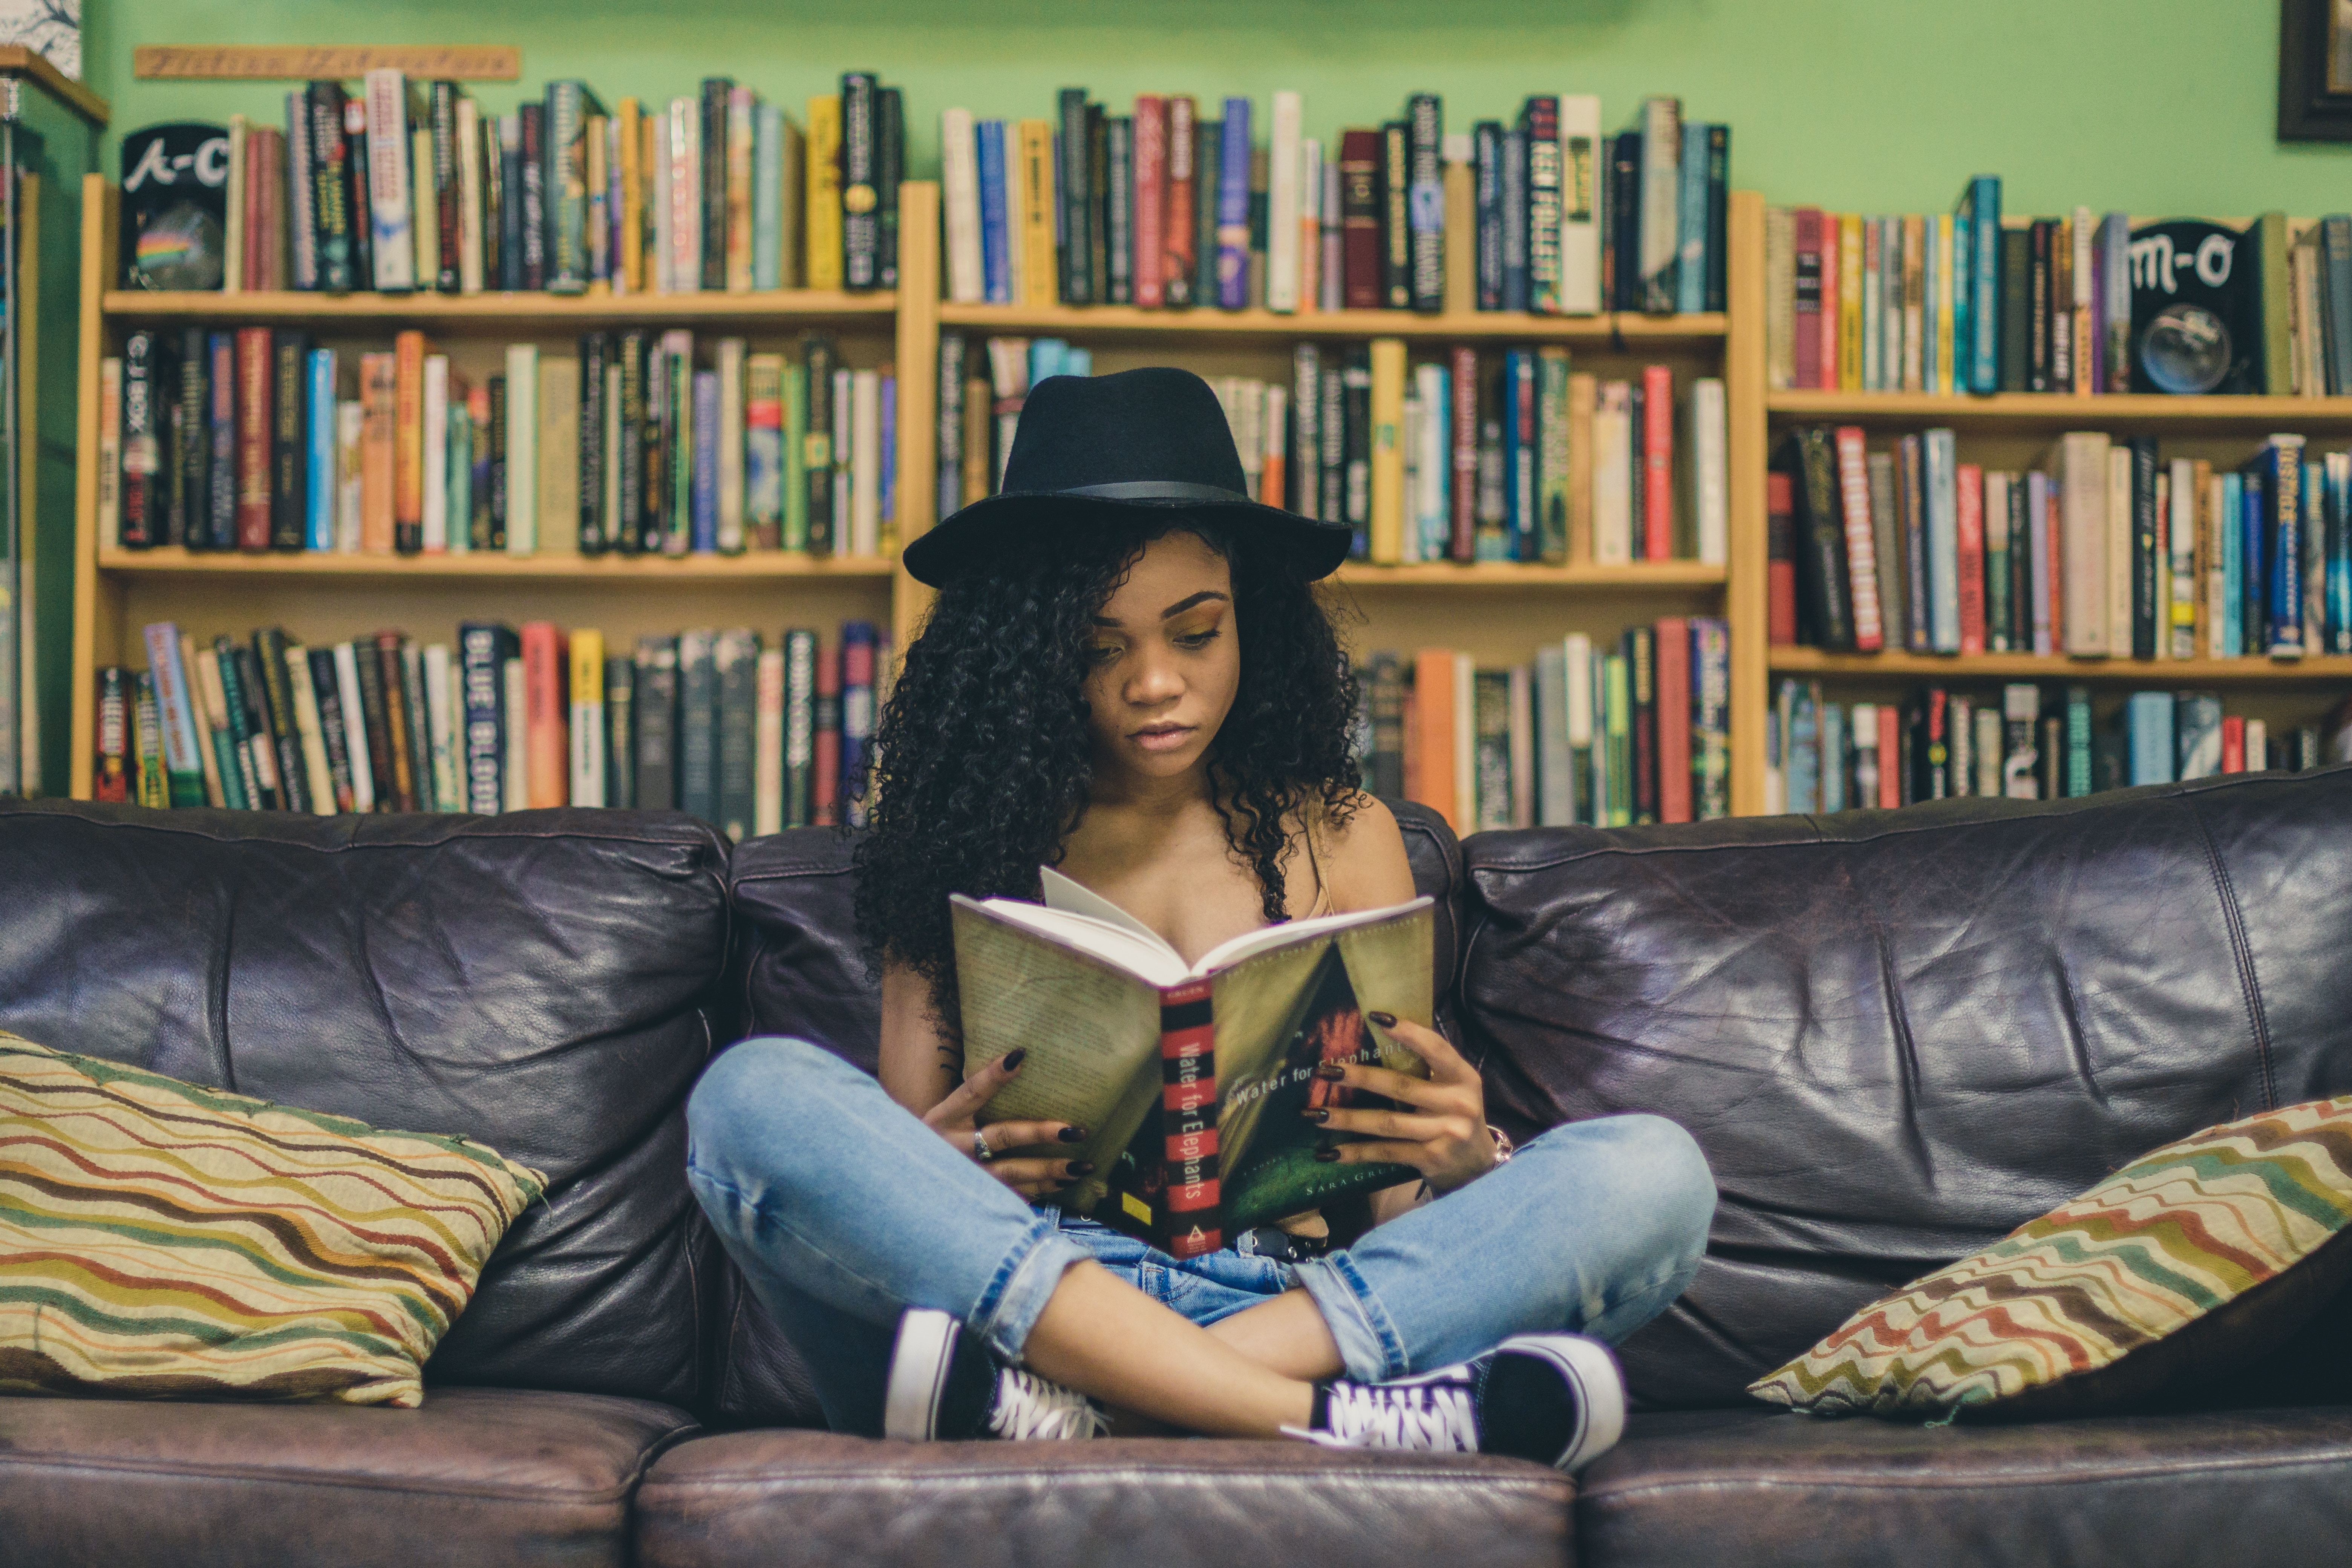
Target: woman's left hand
(1440, 1126)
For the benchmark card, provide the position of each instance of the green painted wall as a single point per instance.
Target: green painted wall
(2146, 105)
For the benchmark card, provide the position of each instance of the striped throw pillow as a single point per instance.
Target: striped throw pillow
(2175, 1269)
(159, 1239)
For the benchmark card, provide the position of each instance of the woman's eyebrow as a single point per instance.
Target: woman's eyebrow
(1177, 608)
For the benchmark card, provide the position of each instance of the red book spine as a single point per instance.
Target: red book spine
(1808, 346)
(547, 734)
(1827, 369)
(253, 431)
(1861, 542)
(2233, 747)
(1188, 1067)
(825, 788)
(1175, 281)
(1890, 753)
(1780, 560)
(1674, 719)
(1657, 462)
(1463, 492)
(1360, 222)
(1971, 554)
(1150, 198)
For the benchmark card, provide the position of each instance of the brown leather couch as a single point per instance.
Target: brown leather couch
(1896, 1036)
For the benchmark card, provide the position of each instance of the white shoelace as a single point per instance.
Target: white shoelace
(1028, 1406)
(1421, 1417)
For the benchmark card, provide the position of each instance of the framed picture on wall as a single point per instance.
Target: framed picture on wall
(2315, 93)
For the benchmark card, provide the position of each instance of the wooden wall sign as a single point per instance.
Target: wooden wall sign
(319, 62)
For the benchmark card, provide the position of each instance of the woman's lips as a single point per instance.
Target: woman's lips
(1162, 737)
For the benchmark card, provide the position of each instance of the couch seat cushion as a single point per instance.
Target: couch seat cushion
(480, 1476)
(1765, 1487)
(786, 1498)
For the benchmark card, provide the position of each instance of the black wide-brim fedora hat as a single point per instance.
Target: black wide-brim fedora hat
(1107, 446)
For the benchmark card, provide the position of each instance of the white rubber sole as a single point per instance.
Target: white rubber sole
(1591, 1371)
(919, 1363)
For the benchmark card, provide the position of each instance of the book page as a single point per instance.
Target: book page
(1145, 956)
(1265, 938)
(1089, 1029)
(1066, 893)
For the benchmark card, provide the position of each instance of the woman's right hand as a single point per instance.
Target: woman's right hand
(954, 1119)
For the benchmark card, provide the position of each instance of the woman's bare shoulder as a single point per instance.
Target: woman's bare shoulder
(1364, 856)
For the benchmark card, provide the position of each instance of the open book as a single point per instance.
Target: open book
(1189, 1078)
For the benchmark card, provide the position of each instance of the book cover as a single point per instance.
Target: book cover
(857, 655)
(1396, 216)
(256, 427)
(408, 442)
(1860, 539)
(1659, 124)
(1360, 219)
(697, 724)
(822, 194)
(1426, 196)
(1516, 281)
(1969, 554)
(861, 219)
(1234, 206)
(825, 726)
(800, 663)
(1579, 121)
(735, 664)
(1941, 488)
(441, 264)
(1822, 576)
(139, 521)
(655, 701)
(1672, 658)
(391, 247)
(1179, 261)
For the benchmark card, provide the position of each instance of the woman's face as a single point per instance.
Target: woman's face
(1165, 661)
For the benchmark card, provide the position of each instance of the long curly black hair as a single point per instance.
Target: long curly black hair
(981, 759)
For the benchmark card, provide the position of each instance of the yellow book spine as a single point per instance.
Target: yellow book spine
(1945, 282)
(1037, 259)
(1850, 302)
(587, 736)
(821, 230)
(632, 268)
(1388, 451)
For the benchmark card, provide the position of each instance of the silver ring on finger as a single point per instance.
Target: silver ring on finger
(979, 1148)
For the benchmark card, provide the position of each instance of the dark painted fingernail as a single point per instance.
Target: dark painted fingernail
(1072, 1134)
(1385, 1020)
(1014, 1058)
(1315, 1113)
(1331, 1072)
(1326, 1156)
(1078, 1168)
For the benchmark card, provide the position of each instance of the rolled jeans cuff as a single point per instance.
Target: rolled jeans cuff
(1024, 1283)
(1369, 1346)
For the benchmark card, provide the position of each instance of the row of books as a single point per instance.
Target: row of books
(1509, 455)
(1606, 736)
(2024, 744)
(2111, 551)
(1969, 300)
(1162, 208)
(640, 441)
(409, 185)
(750, 735)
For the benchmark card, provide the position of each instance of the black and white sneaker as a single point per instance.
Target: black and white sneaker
(945, 1386)
(1558, 1399)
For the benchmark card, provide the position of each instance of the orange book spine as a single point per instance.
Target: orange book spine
(547, 727)
(408, 442)
(375, 453)
(1658, 462)
(254, 430)
(1433, 700)
(1674, 641)
(1890, 748)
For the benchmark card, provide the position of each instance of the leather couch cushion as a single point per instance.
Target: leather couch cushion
(476, 1476)
(779, 1498)
(1898, 1037)
(798, 971)
(538, 981)
(2146, 1491)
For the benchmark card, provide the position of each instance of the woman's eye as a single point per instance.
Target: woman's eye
(1198, 639)
(1102, 653)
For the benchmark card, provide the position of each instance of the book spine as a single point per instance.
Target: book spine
(1194, 1224)
(1821, 573)
(1118, 209)
(1360, 219)
(186, 511)
(1426, 197)
(1673, 639)
(858, 648)
(1710, 718)
(1487, 212)
(142, 445)
(1779, 560)
(800, 662)
(1861, 540)
(1538, 154)
(1152, 189)
(1234, 206)
(324, 694)
(1180, 236)
(1396, 216)
(2146, 538)
(1969, 554)
(1943, 541)
(277, 695)
(449, 228)
(565, 186)
(254, 432)
(391, 237)
(301, 196)
(817, 454)
(175, 716)
(481, 670)
(319, 450)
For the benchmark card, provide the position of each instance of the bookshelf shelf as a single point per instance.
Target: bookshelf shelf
(2056, 411)
(551, 566)
(2164, 672)
(1128, 322)
(1642, 575)
(485, 311)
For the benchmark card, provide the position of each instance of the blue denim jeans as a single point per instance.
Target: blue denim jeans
(841, 1208)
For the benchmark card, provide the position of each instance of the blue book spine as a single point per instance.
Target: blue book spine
(1983, 290)
(1077, 360)
(320, 531)
(887, 481)
(1507, 406)
(1943, 544)
(1234, 206)
(2147, 737)
(481, 664)
(768, 197)
(1804, 754)
(511, 202)
(2233, 567)
(2285, 462)
(1486, 141)
(1690, 222)
(857, 713)
(1514, 220)
(994, 257)
(2339, 553)
(1047, 356)
(704, 537)
(1832, 785)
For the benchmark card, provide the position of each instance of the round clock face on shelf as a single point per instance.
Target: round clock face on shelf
(180, 248)
(2196, 308)
(2186, 350)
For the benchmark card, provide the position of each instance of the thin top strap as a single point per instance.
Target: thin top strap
(1312, 818)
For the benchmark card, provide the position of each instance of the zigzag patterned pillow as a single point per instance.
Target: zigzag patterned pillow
(2171, 1272)
(158, 1239)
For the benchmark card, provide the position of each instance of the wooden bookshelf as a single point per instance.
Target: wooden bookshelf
(1514, 574)
(2051, 412)
(1127, 322)
(2331, 670)
(329, 596)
